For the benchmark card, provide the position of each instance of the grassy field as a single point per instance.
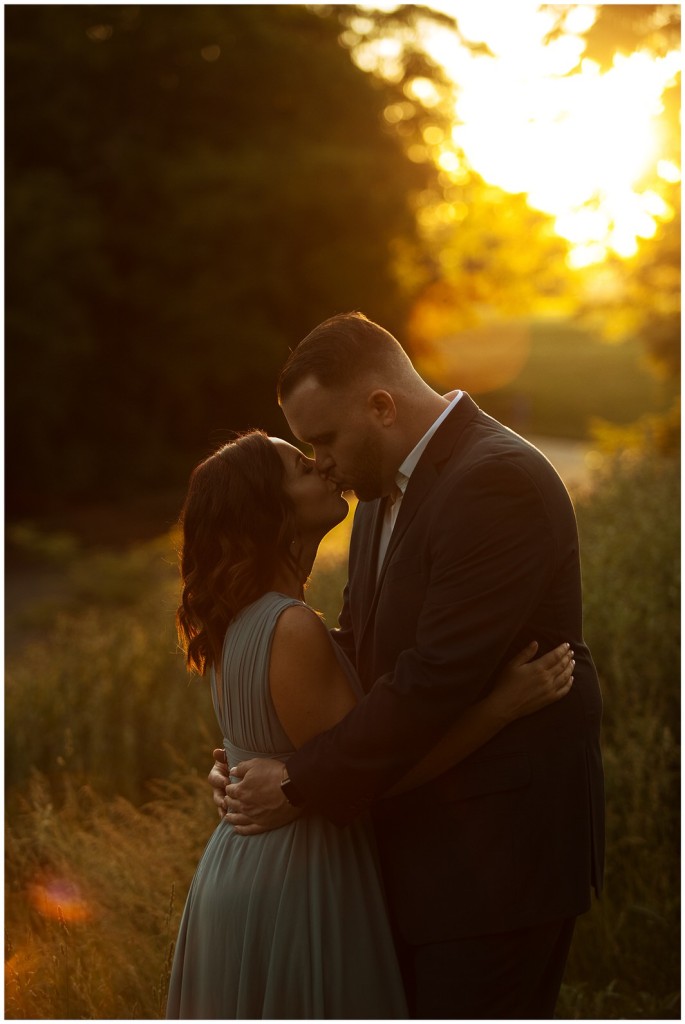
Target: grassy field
(108, 745)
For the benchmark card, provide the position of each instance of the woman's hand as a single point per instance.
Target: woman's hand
(525, 686)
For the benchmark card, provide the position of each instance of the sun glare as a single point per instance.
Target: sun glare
(578, 144)
(668, 171)
(583, 139)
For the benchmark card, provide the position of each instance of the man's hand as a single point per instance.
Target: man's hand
(257, 803)
(218, 779)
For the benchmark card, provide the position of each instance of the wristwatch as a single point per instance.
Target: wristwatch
(290, 790)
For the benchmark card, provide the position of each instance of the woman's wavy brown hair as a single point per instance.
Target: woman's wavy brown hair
(238, 524)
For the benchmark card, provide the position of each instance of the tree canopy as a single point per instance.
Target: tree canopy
(189, 190)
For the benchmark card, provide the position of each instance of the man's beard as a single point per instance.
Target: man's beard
(368, 477)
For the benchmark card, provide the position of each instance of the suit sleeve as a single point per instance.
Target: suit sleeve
(491, 560)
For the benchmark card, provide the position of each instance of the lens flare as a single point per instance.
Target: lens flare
(482, 359)
(60, 898)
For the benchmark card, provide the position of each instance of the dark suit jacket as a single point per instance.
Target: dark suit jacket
(483, 559)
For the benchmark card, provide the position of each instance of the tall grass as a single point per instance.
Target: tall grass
(625, 960)
(98, 689)
(99, 857)
(94, 888)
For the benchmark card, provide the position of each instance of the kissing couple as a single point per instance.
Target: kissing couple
(411, 804)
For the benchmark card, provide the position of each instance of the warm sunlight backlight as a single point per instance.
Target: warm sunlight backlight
(584, 138)
(668, 171)
(537, 117)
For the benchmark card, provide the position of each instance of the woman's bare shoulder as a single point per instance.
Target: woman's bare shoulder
(300, 629)
(309, 689)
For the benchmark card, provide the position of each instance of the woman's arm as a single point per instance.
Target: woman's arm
(310, 693)
(309, 689)
(523, 687)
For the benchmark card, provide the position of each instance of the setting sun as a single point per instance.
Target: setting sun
(578, 144)
(539, 118)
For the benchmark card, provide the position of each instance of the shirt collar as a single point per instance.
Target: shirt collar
(412, 460)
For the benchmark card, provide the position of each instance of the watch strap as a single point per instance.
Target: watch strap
(290, 790)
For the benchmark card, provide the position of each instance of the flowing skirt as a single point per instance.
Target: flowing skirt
(287, 924)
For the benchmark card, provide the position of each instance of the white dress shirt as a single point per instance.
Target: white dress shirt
(402, 476)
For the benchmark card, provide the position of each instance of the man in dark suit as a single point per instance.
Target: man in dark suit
(464, 548)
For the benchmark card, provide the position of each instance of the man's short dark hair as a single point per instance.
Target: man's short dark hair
(341, 349)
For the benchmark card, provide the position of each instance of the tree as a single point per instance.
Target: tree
(472, 261)
(189, 190)
(640, 296)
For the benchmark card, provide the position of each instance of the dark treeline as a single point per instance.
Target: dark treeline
(188, 191)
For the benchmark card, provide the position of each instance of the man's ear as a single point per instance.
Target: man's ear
(382, 406)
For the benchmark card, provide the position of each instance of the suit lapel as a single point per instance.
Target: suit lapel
(421, 482)
(370, 560)
(419, 487)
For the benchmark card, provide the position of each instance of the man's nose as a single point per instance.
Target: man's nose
(324, 463)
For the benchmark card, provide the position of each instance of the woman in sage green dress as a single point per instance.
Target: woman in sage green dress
(290, 924)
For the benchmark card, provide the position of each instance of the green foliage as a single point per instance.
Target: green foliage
(550, 377)
(643, 299)
(100, 676)
(189, 190)
(625, 960)
(630, 532)
(478, 264)
(658, 433)
(640, 297)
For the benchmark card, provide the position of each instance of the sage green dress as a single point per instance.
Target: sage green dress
(291, 923)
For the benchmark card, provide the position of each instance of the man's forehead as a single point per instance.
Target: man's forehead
(311, 411)
(309, 398)
(307, 390)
